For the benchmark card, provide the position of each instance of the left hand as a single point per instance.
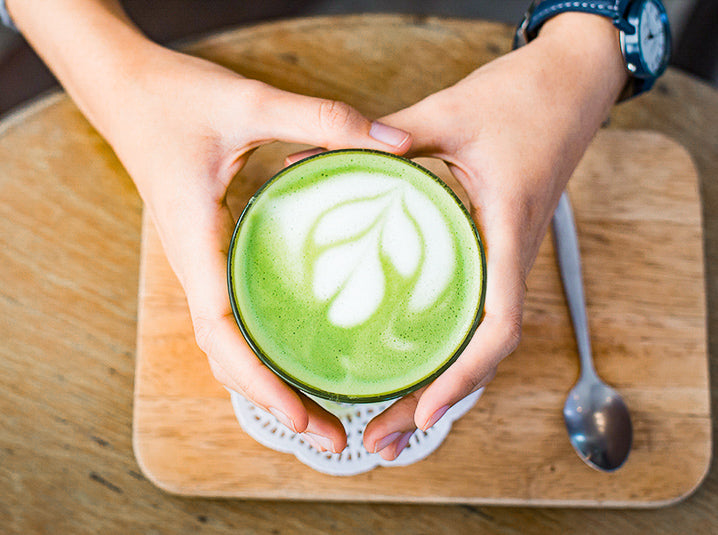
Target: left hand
(511, 133)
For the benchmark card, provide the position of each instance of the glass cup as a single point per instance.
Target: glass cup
(330, 196)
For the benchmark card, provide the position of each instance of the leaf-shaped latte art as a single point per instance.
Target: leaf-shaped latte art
(296, 213)
(402, 225)
(349, 220)
(437, 267)
(362, 292)
(400, 241)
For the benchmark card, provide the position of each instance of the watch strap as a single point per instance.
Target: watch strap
(5, 16)
(544, 10)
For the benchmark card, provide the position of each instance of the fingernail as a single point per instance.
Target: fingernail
(319, 442)
(311, 442)
(387, 134)
(282, 418)
(435, 417)
(384, 442)
(403, 441)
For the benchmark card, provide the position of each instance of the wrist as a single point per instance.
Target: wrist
(588, 46)
(569, 77)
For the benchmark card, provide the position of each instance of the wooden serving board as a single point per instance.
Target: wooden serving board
(639, 222)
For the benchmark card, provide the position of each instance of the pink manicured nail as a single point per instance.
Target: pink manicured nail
(387, 134)
(435, 417)
(282, 418)
(384, 442)
(313, 443)
(319, 442)
(403, 441)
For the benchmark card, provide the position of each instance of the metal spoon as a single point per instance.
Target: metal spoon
(597, 419)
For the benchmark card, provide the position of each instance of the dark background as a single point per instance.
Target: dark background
(23, 75)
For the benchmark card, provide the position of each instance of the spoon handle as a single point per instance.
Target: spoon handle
(569, 263)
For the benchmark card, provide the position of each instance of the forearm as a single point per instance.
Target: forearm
(583, 76)
(90, 45)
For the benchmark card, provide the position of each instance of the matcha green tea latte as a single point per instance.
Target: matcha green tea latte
(356, 275)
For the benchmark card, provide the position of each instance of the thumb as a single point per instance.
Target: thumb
(433, 131)
(326, 123)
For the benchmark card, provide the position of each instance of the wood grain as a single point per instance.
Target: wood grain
(640, 230)
(68, 304)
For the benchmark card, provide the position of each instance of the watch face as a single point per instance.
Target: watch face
(652, 36)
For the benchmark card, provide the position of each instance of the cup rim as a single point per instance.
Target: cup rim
(335, 396)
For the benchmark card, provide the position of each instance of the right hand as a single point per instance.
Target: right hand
(183, 127)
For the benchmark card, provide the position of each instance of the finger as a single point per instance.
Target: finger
(289, 160)
(324, 431)
(428, 127)
(496, 337)
(234, 365)
(393, 450)
(389, 432)
(324, 123)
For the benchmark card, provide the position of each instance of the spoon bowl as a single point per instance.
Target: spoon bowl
(597, 419)
(598, 424)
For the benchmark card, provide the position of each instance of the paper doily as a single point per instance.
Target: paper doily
(355, 459)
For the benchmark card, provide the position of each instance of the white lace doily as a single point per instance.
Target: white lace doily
(355, 459)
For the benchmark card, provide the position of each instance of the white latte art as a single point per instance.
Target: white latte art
(354, 226)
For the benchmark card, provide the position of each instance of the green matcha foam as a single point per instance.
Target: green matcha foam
(356, 275)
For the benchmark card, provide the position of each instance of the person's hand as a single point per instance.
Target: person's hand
(185, 130)
(183, 127)
(511, 133)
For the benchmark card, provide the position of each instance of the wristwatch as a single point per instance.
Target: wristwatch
(645, 36)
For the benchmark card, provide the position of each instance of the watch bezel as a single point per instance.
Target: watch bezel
(631, 42)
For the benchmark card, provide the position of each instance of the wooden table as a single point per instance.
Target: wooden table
(69, 242)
